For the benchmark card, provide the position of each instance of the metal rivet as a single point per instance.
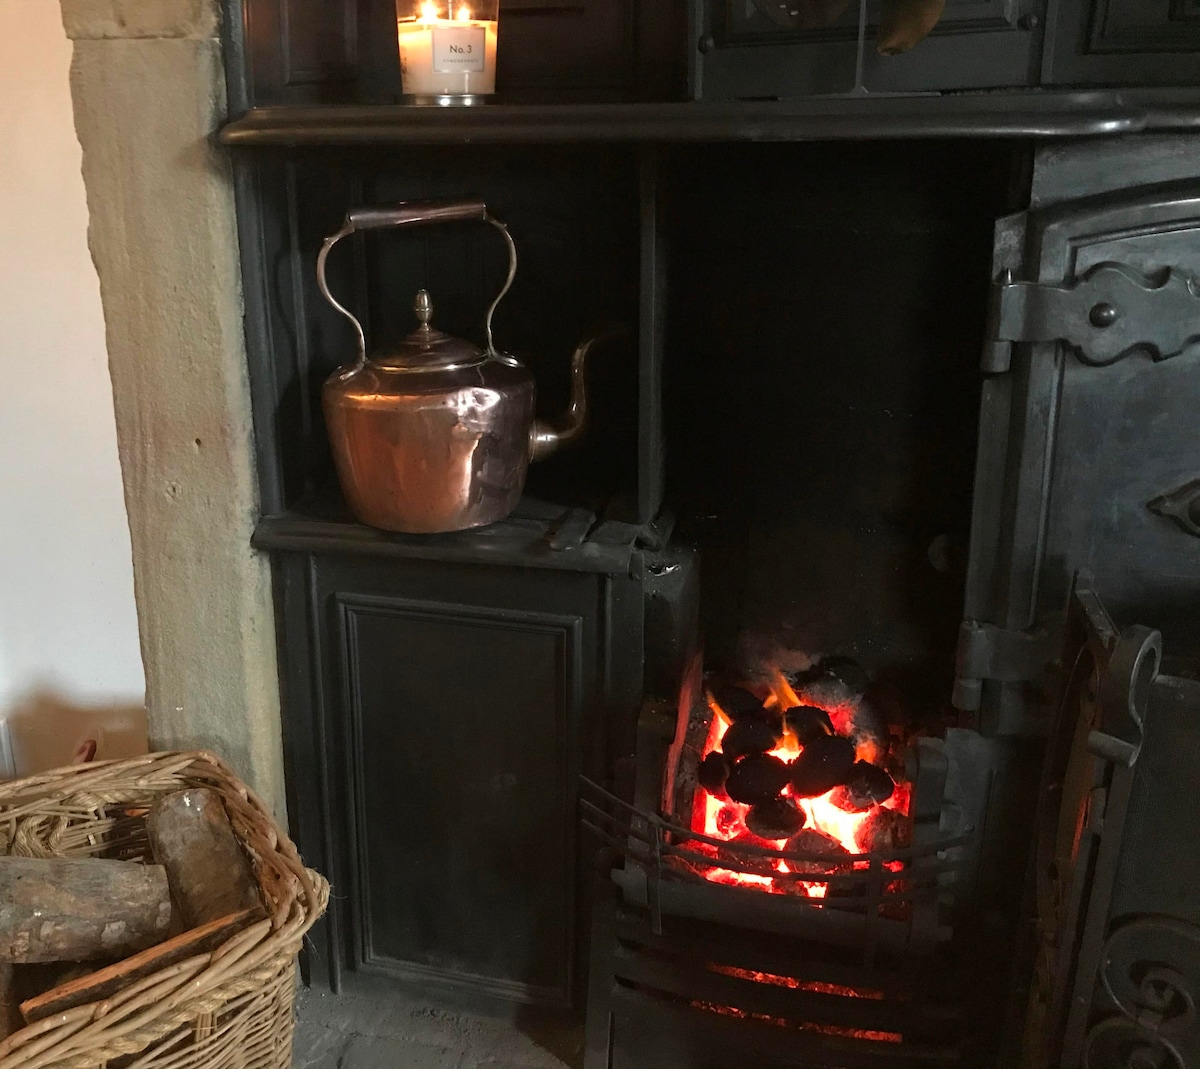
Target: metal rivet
(1028, 22)
(707, 43)
(1103, 315)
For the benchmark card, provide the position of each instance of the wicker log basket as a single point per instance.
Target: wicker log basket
(232, 1007)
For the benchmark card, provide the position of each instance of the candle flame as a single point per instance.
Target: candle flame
(430, 11)
(464, 14)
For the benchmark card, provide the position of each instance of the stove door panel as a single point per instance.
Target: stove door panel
(1123, 42)
(462, 720)
(453, 707)
(1088, 442)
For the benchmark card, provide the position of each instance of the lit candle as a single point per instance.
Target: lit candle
(447, 49)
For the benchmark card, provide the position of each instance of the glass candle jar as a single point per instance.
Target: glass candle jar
(447, 49)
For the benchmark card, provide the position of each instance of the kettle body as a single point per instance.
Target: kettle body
(431, 453)
(437, 434)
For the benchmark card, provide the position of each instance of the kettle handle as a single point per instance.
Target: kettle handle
(414, 213)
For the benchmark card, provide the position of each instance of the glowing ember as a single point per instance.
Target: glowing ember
(725, 819)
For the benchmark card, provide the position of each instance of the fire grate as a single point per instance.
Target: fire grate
(688, 971)
(695, 995)
(884, 901)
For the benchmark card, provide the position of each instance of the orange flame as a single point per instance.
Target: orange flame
(726, 819)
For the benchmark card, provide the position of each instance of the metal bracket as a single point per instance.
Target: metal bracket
(1181, 505)
(1110, 312)
(989, 652)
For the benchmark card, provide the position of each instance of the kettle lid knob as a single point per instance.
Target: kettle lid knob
(423, 306)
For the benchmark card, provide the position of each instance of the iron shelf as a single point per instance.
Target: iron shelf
(1010, 113)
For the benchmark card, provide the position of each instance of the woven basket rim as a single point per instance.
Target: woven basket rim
(159, 1004)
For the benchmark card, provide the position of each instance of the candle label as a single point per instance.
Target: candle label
(461, 48)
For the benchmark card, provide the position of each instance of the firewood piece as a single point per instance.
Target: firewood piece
(35, 978)
(807, 722)
(108, 982)
(712, 773)
(822, 765)
(776, 819)
(756, 779)
(210, 875)
(866, 786)
(80, 909)
(749, 737)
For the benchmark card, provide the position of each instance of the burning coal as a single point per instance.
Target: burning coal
(799, 766)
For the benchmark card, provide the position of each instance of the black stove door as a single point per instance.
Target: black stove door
(1089, 446)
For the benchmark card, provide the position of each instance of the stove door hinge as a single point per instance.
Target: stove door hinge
(988, 652)
(1109, 312)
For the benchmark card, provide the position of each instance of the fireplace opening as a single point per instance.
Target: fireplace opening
(822, 391)
(822, 403)
(804, 777)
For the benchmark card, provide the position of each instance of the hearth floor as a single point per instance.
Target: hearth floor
(376, 1031)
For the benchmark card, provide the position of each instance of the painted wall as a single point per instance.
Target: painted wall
(68, 625)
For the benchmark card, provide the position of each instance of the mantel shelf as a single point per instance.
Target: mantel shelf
(1018, 113)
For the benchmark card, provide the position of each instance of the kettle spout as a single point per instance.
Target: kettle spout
(546, 437)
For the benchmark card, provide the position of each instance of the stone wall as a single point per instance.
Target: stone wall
(149, 92)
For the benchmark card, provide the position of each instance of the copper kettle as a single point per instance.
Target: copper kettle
(436, 434)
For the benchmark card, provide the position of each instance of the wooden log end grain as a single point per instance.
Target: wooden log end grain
(209, 872)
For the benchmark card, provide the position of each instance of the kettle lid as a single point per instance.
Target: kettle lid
(427, 348)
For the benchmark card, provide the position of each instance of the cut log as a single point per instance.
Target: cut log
(80, 910)
(210, 875)
(110, 981)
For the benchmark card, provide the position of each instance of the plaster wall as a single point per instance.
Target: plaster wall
(68, 625)
(148, 88)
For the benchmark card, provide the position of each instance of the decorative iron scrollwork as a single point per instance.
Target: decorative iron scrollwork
(1181, 505)
(1116, 1043)
(1151, 972)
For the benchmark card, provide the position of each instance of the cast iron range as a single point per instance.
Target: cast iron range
(1115, 943)
(695, 962)
(711, 947)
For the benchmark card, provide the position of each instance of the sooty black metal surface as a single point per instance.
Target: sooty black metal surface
(699, 995)
(1117, 978)
(690, 973)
